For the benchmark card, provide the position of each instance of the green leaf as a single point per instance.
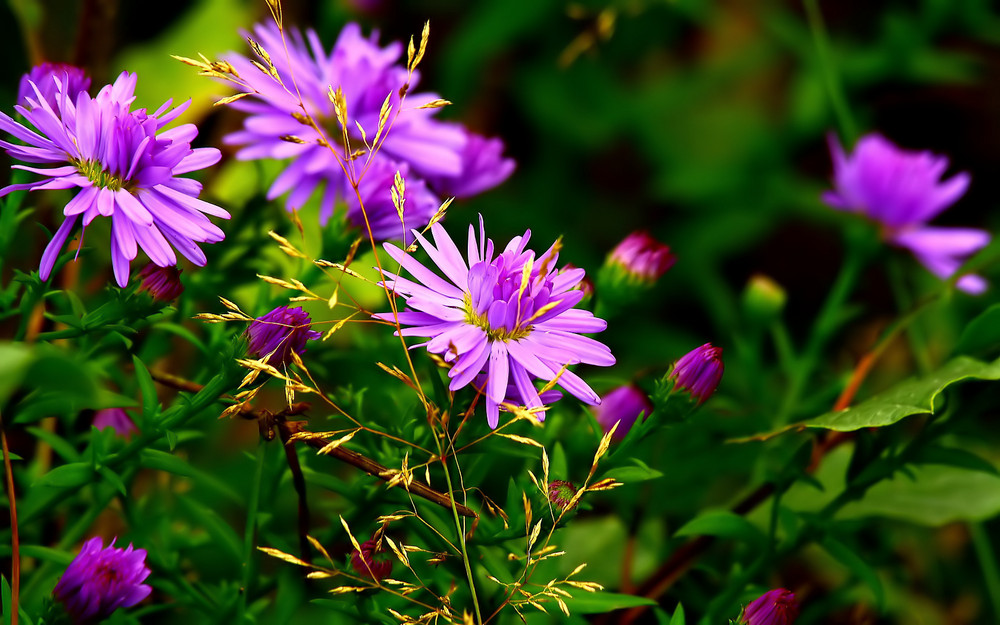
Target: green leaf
(982, 333)
(678, 616)
(48, 554)
(71, 475)
(114, 479)
(584, 602)
(858, 566)
(15, 358)
(955, 457)
(638, 472)
(935, 496)
(162, 461)
(58, 444)
(150, 401)
(724, 524)
(915, 396)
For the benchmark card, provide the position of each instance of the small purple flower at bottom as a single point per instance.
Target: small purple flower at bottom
(162, 283)
(643, 258)
(902, 191)
(622, 406)
(699, 371)
(49, 78)
(774, 607)
(115, 418)
(279, 333)
(100, 580)
(561, 493)
(370, 562)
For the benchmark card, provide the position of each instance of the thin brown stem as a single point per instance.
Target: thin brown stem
(299, 481)
(15, 541)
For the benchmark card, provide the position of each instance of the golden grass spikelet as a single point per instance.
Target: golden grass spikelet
(286, 557)
(319, 547)
(435, 104)
(326, 449)
(340, 324)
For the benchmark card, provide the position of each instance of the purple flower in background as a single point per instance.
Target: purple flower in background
(643, 258)
(48, 78)
(774, 607)
(698, 372)
(444, 155)
(162, 283)
(418, 207)
(902, 191)
(370, 562)
(561, 493)
(124, 168)
(483, 167)
(279, 333)
(509, 317)
(115, 418)
(622, 406)
(100, 580)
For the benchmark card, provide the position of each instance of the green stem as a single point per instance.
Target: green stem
(460, 530)
(830, 317)
(251, 528)
(914, 331)
(987, 560)
(833, 86)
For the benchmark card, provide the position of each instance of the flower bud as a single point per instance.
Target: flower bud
(162, 283)
(370, 562)
(698, 372)
(774, 607)
(622, 406)
(561, 493)
(115, 418)
(643, 258)
(279, 333)
(763, 300)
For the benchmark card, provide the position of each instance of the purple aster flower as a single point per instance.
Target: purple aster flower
(774, 607)
(371, 562)
(902, 191)
(279, 333)
(438, 152)
(643, 258)
(622, 406)
(115, 418)
(124, 168)
(509, 317)
(48, 78)
(162, 283)
(561, 493)
(698, 372)
(100, 580)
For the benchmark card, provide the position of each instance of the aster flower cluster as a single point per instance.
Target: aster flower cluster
(435, 158)
(501, 320)
(123, 162)
(902, 191)
(101, 579)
